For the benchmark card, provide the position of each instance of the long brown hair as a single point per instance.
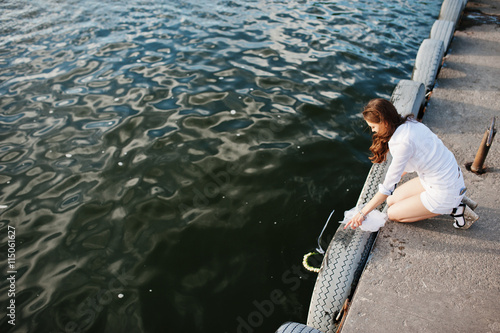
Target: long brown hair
(378, 111)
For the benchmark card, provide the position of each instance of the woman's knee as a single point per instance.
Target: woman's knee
(392, 214)
(391, 211)
(409, 210)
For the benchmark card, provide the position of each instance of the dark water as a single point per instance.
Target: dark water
(166, 164)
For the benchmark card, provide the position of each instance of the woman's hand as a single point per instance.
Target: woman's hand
(360, 216)
(356, 221)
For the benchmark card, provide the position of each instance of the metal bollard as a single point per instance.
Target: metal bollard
(482, 152)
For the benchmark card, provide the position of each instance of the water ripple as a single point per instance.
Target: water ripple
(158, 158)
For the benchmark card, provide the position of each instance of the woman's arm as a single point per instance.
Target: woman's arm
(356, 221)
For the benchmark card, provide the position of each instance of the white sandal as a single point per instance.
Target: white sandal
(464, 216)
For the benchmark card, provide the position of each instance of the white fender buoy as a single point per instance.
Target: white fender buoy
(428, 62)
(451, 10)
(409, 98)
(443, 30)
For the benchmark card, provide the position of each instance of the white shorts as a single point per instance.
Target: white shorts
(443, 200)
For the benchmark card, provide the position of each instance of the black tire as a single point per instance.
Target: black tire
(443, 30)
(409, 98)
(291, 327)
(375, 177)
(428, 62)
(343, 263)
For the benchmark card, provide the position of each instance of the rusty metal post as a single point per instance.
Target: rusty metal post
(482, 152)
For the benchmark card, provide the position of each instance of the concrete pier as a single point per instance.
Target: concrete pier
(428, 276)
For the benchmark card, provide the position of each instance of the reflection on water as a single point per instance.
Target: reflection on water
(167, 164)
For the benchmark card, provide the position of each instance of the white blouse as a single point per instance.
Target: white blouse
(415, 148)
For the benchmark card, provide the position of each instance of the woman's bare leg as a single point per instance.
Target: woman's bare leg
(405, 204)
(409, 210)
(406, 190)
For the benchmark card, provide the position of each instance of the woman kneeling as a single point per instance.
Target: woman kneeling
(439, 186)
